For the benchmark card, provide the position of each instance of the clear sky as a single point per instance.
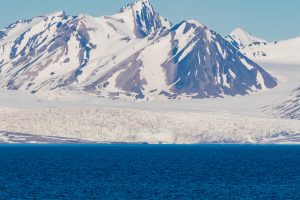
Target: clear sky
(268, 19)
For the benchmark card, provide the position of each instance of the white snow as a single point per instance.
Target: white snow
(282, 52)
(243, 38)
(195, 22)
(83, 116)
(222, 52)
(152, 70)
(225, 82)
(130, 125)
(259, 50)
(238, 119)
(183, 39)
(246, 64)
(260, 80)
(232, 74)
(186, 51)
(209, 36)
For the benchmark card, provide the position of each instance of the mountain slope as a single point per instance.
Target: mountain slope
(241, 39)
(259, 50)
(289, 108)
(284, 52)
(133, 54)
(54, 50)
(191, 60)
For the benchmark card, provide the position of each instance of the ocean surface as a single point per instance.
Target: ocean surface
(149, 172)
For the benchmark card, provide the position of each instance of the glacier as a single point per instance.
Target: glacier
(135, 77)
(106, 125)
(282, 53)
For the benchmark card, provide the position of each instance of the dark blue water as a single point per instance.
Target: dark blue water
(150, 172)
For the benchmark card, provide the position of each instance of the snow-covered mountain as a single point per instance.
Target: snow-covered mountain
(278, 52)
(259, 50)
(241, 39)
(145, 18)
(284, 52)
(135, 53)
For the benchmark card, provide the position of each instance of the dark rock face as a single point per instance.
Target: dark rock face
(213, 67)
(2, 34)
(146, 19)
(233, 42)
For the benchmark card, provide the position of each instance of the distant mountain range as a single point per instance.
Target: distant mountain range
(134, 54)
(278, 52)
(241, 39)
(259, 50)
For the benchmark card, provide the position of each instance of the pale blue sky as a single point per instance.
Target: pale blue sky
(268, 19)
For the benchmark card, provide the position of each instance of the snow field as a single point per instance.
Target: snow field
(133, 125)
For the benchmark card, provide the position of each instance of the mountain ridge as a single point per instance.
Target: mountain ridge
(241, 39)
(259, 50)
(135, 53)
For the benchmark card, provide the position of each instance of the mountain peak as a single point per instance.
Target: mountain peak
(60, 13)
(132, 54)
(240, 38)
(194, 22)
(145, 17)
(138, 5)
(239, 31)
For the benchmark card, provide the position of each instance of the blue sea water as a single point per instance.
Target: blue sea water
(149, 172)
